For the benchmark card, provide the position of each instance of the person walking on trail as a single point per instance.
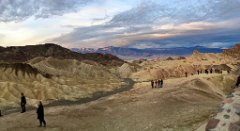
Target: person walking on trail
(152, 83)
(23, 103)
(156, 83)
(40, 114)
(206, 71)
(161, 83)
(238, 81)
(211, 70)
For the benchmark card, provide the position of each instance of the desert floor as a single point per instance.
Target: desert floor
(182, 104)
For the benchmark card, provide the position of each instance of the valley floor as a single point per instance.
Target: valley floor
(182, 104)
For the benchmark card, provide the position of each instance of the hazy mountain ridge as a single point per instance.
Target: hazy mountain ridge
(135, 53)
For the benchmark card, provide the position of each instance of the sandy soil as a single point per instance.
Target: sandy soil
(183, 104)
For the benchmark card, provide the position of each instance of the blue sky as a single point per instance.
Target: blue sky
(128, 23)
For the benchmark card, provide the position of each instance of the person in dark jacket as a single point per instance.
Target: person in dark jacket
(40, 114)
(0, 113)
(23, 103)
(159, 83)
(211, 70)
(152, 83)
(238, 81)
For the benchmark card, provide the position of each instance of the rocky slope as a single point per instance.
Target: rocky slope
(234, 52)
(50, 79)
(50, 72)
(170, 68)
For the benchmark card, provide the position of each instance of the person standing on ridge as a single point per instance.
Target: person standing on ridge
(186, 74)
(40, 114)
(159, 83)
(211, 70)
(152, 83)
(156, 83)
(238, 81)
(23, 103)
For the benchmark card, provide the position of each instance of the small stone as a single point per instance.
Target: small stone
(212, 123)
(220, 109)
(228, 110)
(236, 106)
(238, 113)
(226, 116)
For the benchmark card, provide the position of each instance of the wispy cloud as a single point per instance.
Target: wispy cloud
(18, 10)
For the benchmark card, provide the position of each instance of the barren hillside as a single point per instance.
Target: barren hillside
(54, 79)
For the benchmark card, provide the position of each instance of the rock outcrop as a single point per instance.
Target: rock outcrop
(234, 52)
(228, 118)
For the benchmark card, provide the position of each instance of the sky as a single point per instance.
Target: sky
(121, 23)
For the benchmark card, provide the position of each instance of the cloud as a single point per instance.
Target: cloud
(18, 10)
(178, 11)
(2, 36)
(162, 23)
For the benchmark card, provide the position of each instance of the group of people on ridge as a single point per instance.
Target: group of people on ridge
(40, 110)
(157, 83)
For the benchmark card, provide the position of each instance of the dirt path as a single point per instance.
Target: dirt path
(183, 104)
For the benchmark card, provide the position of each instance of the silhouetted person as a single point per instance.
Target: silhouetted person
(156, 83)
(186, 74)
(152, 83)
(238, 81)
(23, 103)
(40, 114)
(211, 70)
(198, 72)
(206, 71)
(159, 84)
(0, 113)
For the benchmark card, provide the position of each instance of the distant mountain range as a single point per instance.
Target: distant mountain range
(135, 53)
